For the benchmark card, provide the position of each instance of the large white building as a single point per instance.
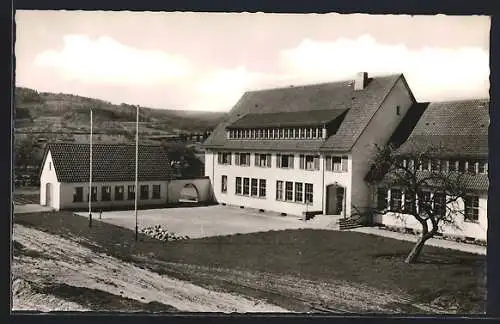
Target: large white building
(306, 148)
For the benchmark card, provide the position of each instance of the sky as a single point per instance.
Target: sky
(206, 61)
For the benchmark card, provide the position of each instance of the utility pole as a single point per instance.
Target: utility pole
(90, 173)
(136, 171)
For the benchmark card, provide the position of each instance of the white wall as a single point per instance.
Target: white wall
(379, 130)
(271, 175)
(48, 175)
(202, 185)
(476, 230)
(67, 189)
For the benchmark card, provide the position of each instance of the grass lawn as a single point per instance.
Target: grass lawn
(310, 254)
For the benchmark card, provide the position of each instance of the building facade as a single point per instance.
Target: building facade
(64, 178)
(455, 133)
(305, 149)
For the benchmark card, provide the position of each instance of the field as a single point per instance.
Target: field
(302, 270)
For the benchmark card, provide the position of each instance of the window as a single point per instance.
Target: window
(106, 193)
(262, 188)
(440, 204)
(308, 193)
(443, 165)
(50, 165)
(94, 194)
(424, 165)
(435, 165)
(471, 167)
(223, 158)
(471, 208)
(298, 192)
(424, 202)
(409, 205)
(119, 192)
(398, 110)
(254, 189)
(308, 133)
(461, 166)
(452, 166)
(337, 163)
(396, 199)
(246, 186)
(289, 191)
(482, 167)
(78, 194)
(238, 186)
(279, 190)
(309, 162)
(223, 186)
(381, 198)
(156, 191)
(144, 192)
(287, 134)
(263, 160)
(243, 159)
(301, 133)
(131, 193)
(284, 161)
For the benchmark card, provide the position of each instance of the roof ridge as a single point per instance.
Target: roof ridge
(458, 100)
(320, 83)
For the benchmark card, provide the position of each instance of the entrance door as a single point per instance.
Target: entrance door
(334, 199)
(48, 194)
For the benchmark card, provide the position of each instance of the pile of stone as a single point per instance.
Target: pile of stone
(159, 233)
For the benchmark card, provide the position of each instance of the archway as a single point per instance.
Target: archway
(48, 194)
(189, 193)
(335, 195)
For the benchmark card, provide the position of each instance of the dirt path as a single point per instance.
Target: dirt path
(50, 259)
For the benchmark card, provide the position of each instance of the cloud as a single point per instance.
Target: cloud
(433, 73)
(104, 60)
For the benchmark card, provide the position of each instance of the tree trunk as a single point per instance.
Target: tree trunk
(415, 252)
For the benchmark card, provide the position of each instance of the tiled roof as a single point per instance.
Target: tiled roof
(111, 162)
(291, 119)
(469, 181)
(459, 128)
(361, 105)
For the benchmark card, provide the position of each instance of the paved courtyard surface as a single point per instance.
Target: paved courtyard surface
(470, 248)
(197, 222)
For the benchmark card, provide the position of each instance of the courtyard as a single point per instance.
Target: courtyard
(208, 221)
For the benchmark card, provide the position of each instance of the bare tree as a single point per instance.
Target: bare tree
(432, 190)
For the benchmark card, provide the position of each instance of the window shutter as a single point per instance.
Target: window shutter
(230, 160)
(278, 160)
(256, 159)
(344, 164)
(219, 157)
(302, 162)
(268, 160)
(237, 159)
(316, 163)
(290, 161)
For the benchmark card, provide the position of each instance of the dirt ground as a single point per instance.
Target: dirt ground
(197, 222)
(48, 271)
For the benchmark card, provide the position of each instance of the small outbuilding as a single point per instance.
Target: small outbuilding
(64, 176)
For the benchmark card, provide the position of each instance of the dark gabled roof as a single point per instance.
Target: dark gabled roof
(478, 182)
(111, 162)
(361, 105)
(458, 128)
(290, 119)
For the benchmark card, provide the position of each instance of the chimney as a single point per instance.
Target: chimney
(360, 81)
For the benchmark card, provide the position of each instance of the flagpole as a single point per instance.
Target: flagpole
(136, 170)
(90, 173)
